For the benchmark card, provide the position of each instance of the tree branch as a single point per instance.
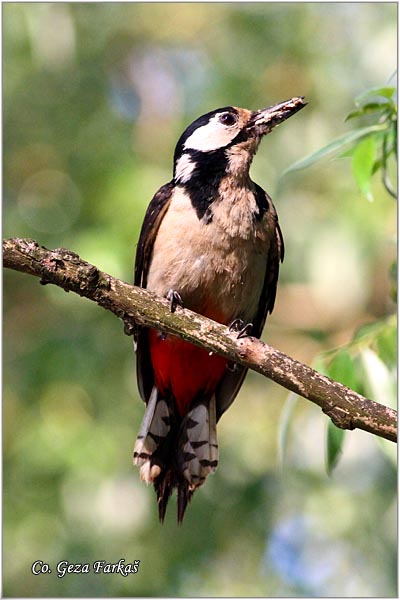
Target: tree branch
(346, 408)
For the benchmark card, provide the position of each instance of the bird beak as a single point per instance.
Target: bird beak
(264, 120)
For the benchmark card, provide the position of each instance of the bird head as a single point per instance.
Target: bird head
(225, 140)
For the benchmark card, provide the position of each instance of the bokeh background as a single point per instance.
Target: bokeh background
(95, 97)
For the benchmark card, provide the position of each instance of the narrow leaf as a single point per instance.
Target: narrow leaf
(366, 109)
(384, 92)
(377, 165)
(363, 164)
(334, 146)
(334, 445)
(380, 381)
(346, 153)
(341, 368)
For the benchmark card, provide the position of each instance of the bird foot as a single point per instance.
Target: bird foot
(129, 328)
(175, 299)
(236, 325)
(242, 329)
(245, 331)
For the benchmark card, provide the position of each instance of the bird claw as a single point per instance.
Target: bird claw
(242, 329)
(236, 325)
(245, 331)
(129, 328)
(175, 299)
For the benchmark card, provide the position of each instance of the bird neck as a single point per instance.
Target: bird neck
(239, 158)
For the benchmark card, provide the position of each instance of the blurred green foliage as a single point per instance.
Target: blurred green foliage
(365, 364)
(371, 146)
(95, 98)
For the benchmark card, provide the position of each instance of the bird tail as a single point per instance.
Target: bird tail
(176, 453)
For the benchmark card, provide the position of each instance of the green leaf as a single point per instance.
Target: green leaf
(342, 368)
(380, 381)
(380, 336)
(334, 146)
(378, 164)
(347, 152)
(384, 92)
(366, 109)
(334, 445)
(363, 164)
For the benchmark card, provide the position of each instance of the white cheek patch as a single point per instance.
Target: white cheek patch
(212, 136)
(184, 168)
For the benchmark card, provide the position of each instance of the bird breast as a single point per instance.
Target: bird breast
(217, 265)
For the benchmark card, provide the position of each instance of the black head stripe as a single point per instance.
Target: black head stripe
(241, 137)
(208, 167)
(205, 179)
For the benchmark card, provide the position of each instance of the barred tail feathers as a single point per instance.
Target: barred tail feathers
(198, 448)
(174, 453)
(154, 431)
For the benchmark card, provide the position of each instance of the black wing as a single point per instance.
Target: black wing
(268, 294)
(232, 381)
(152, 220)
(153, 217)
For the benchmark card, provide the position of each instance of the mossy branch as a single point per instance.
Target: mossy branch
(61, 267)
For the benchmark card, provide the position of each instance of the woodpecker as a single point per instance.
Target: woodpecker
(211, 242)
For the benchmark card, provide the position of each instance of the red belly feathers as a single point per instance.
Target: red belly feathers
(183, 370)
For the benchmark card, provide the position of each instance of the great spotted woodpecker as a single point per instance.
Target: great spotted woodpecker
(210, 241)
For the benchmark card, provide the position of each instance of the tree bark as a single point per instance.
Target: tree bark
(346, 408)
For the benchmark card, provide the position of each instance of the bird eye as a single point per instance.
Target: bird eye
(227, 119)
